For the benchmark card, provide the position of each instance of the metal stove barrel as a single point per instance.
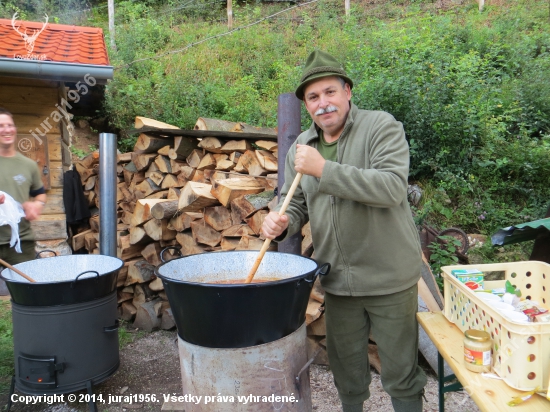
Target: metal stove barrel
(272, 377)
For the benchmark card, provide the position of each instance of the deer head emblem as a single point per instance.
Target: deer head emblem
(29, 39)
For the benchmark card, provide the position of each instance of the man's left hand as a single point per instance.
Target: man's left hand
(308, 161)
(32, 210)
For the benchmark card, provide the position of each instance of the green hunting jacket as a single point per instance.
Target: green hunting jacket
(360, 218)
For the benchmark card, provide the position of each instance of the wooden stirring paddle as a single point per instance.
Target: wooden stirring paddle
(288, 198)
(6, 264)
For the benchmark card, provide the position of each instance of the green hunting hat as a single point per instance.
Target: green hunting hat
(320, 64)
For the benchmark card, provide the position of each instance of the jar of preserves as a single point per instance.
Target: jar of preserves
(477, 350)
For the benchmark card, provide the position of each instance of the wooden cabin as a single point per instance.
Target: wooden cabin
(45, 71)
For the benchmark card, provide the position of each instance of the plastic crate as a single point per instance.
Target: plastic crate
(521, 351)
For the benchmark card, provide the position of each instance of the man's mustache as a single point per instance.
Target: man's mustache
(328, 109)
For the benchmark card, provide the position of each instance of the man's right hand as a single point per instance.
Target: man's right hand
(2, 198)
(274, 225)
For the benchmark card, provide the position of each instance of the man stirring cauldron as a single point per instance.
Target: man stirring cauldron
(20, 178)
(355, 165)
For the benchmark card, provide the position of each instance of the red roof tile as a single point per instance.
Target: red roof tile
(57, 43)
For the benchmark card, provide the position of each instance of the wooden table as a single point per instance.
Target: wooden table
(489, 394)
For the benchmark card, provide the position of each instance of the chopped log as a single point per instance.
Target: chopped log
(200, 177)
(313, 311)
(91, 240)
(126, 194)
(272, 180)
(140, 272)
(225, 164)
(156, 177)
(90, 183)
(173, 193)
(266, 145)
(138, 235)
(124, 157)
(151, 144)
(240, 146)
(146, 316)
(194, 158)
(125, 250)
(187, 172)
(158, 230)
(196, 196)
(204, 123)
(267, 160)
(164, 151)
(180, 222)
(142, 211)
(207, 162)
(123, 273)
(246, 128)
(188, 244)
(229, 243)
(248, 162)
(183, 146)
(205, 234)
(151, 253)
(317, 327)
(163, 163)
(78, 240)
(237, 231)
(228, 189)
(164, 210)
(253, 243)
(148, 187)
(142, 161)
(256, 220)
(128, 311)
(141, 121)
(246, 206)
(167, 321)
(162, 194)
(234, 157)
(123, 297)
(142, 293)
(170, 181)
(90, 160)
(83, 172)
(218, 217)
(152, 169)
(211, 144)
(156, 285)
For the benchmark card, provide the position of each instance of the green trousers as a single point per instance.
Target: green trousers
(392, 321)
(9, 254)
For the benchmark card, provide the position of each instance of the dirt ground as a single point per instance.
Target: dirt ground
(150, 365)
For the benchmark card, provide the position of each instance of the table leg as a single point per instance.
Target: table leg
(441, 379)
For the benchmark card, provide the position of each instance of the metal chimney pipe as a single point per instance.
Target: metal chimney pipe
(107, 194)
(289, 127)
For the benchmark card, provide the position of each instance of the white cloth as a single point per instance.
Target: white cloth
(11, 213)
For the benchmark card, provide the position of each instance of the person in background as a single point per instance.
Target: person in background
(355, 166)
(20, 178)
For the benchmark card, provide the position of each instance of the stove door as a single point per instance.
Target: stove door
(38, 372)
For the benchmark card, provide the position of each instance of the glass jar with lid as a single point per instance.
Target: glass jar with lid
(477, 350)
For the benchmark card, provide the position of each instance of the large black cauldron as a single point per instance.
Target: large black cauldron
(238, 315)
(63, 280)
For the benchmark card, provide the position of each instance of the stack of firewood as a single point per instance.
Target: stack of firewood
(197, 195)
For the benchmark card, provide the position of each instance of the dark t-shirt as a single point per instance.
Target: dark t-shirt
(329, 151)
(18, 176)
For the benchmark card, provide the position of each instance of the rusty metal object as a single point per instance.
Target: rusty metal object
(254, 373)
(288, 129)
